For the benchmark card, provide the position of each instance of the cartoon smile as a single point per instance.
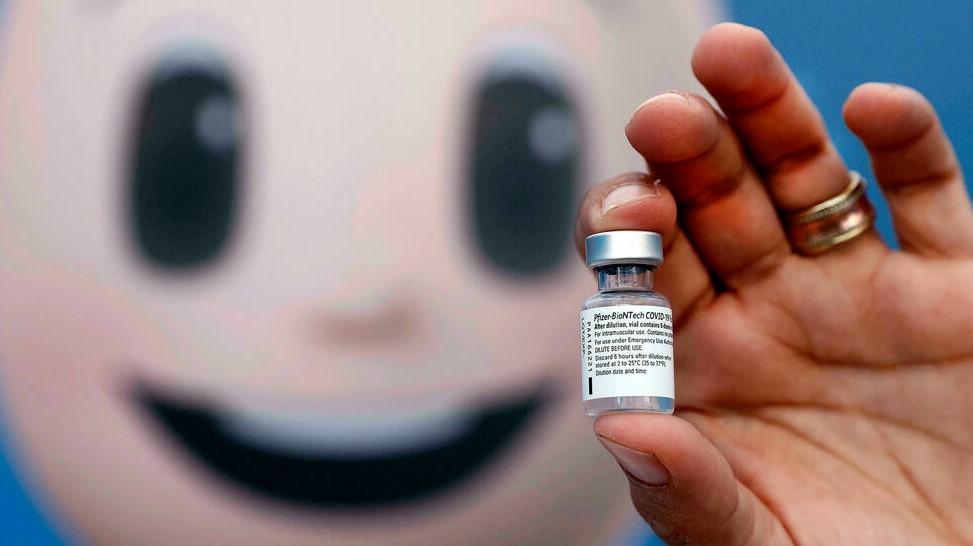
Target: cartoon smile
(330, 460)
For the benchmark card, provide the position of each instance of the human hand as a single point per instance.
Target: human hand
(819, 400)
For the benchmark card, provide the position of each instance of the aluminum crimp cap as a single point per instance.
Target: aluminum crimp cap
(623, 247)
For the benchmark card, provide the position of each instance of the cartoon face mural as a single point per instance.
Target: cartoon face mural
(295, 273)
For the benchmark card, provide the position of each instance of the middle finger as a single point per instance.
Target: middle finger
(768, 109)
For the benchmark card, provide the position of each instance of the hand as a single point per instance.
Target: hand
(820, 400)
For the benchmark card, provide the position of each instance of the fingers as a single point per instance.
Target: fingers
(773, 117)
(682, 485)
(635, 201)
(916, 167)
(723, 205)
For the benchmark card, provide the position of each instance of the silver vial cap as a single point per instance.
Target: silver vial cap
(623, 247)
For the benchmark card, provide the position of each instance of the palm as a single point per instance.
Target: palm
(825, 396)
(819, 428)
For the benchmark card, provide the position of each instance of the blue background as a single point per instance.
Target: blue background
(831, 45)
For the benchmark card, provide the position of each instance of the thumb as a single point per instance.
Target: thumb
(683, 486)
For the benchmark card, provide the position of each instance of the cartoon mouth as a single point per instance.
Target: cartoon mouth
(328, 460)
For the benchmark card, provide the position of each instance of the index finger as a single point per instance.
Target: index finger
(636, 201)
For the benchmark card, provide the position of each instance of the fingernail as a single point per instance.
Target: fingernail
(627, 192)
(668, 95)
(644, 466)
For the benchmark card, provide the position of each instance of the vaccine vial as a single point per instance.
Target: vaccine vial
(626, 328)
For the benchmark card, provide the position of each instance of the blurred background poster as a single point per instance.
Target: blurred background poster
(297, 273)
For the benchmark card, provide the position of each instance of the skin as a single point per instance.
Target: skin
(821, 400)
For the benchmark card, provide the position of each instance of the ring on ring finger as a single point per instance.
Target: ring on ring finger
(832, 222)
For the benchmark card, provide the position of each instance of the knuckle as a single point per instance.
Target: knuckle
(657, 506)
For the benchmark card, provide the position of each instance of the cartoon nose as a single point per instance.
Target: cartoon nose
(366, 319)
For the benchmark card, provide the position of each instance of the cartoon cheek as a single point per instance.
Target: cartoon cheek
(63, 333)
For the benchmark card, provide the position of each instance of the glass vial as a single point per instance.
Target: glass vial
(626, 328)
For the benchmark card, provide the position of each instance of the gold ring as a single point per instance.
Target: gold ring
(832, 222)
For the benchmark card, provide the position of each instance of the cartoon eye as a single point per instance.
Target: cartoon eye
(523, 168)
(183, 177)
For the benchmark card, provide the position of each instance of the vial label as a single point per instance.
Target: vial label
(626, 350)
